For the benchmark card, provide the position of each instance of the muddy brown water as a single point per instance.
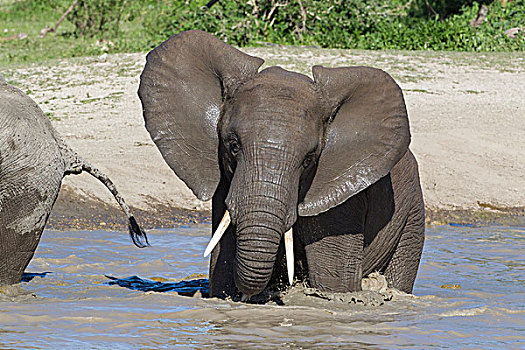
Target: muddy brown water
(469, 294)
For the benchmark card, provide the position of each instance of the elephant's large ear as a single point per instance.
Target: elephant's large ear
(182, 88)
(367, 134)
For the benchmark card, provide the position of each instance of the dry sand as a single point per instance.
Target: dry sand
(467, 118)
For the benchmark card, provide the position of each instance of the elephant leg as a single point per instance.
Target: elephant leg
(222, 283)
(17, 250)
(402, 269)
(334, 246)
(22, 221)
(13, 265)
(335, 263)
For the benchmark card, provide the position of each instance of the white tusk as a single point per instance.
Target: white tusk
(288, 246)
(225, 222)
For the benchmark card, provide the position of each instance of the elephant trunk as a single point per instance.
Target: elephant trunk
(257, 246)
(261, 220)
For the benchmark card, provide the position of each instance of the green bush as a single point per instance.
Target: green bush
(95, 17)
(322, 23)
(371, 24)
(98, 26)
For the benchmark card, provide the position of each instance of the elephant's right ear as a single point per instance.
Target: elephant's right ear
(182, 88)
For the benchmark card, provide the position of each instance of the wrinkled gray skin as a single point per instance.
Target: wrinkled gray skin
(33, 161)
(328, 156)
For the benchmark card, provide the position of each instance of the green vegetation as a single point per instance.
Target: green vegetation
(371, 24)
(85, 32)
(98, 26)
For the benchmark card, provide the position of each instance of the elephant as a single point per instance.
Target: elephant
(310, 179)
(33, 161)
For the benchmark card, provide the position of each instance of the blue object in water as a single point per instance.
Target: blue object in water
(455, 224)
(28, 276)
(188, 288)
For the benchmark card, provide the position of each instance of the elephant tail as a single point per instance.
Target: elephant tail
(138, 235)
(74, 164)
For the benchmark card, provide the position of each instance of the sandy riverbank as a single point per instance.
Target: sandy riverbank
(467, 115)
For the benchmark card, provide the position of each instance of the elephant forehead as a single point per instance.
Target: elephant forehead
(280, 88)
(276, 102)
(274, 117)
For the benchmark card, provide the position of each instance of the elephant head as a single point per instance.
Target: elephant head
(285, 145)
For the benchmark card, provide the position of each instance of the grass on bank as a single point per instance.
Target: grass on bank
(28, 17)
(110, 26)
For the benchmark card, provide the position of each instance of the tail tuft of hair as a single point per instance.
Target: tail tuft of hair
(138, 235)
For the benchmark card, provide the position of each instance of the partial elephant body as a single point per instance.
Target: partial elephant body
(277, 150)
(33, 161)
(363, 234)
(369, 232)
(31, 168)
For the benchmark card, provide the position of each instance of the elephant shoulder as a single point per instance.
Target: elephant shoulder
(406, 168)
(405, 180)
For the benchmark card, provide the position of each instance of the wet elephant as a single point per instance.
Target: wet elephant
(278, 152)
(33, 161)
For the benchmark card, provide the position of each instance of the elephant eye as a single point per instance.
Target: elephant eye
(308, 160)
(234, 146)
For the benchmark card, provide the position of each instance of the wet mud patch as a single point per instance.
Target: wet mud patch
(509, 216)
(16, 293)
(365, 297)
(375, 293)
(74, 211)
